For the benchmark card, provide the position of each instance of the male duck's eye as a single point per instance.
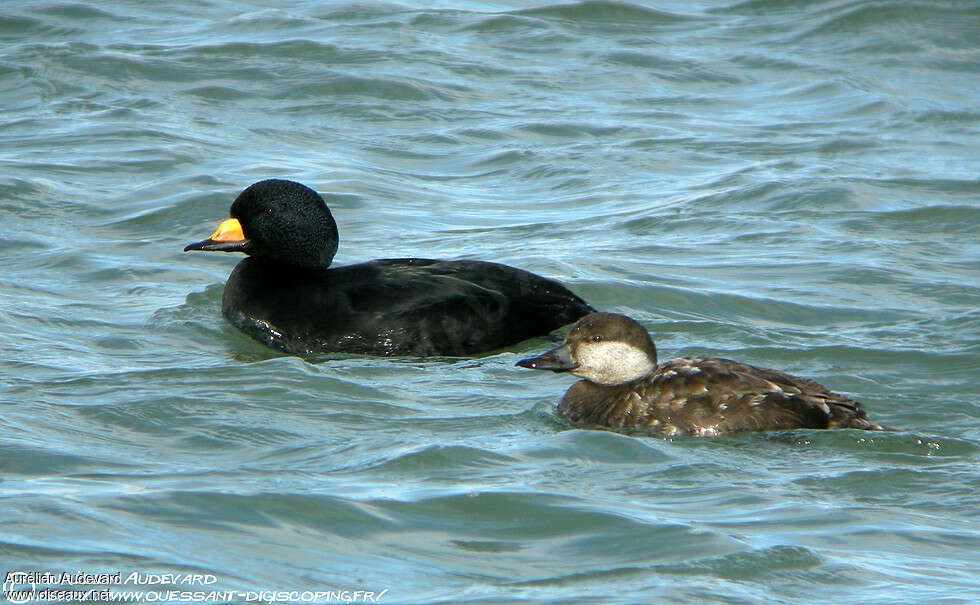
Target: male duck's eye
(597, 339)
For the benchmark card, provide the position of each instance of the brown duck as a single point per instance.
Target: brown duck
(624, 386)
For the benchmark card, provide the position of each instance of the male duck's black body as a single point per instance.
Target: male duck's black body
(624, 386)
(285, 295)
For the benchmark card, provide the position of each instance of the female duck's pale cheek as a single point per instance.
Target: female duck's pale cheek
(611, 363)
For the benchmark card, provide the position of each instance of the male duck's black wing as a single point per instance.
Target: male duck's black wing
(467, 307)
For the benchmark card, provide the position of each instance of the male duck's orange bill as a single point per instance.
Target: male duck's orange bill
(228, 237)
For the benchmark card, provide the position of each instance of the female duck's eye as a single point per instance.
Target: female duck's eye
(597, 339)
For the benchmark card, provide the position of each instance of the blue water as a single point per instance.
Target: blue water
(791, 184)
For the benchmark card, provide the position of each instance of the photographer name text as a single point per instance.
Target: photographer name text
(105, 579)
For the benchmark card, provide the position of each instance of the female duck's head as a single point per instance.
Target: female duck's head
(280, 220)
(604, 348)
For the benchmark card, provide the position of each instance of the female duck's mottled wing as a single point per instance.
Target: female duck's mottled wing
(721, 395)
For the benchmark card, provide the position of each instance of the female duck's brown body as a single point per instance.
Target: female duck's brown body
(624, 386)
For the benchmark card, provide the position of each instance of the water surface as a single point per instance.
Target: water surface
(789, 184)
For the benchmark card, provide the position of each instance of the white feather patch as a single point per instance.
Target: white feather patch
(611, 363)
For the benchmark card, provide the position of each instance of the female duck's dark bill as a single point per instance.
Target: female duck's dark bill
(558, 359)
(228, 237)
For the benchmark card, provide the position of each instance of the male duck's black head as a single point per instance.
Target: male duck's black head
(604, 348)
(280, 220)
